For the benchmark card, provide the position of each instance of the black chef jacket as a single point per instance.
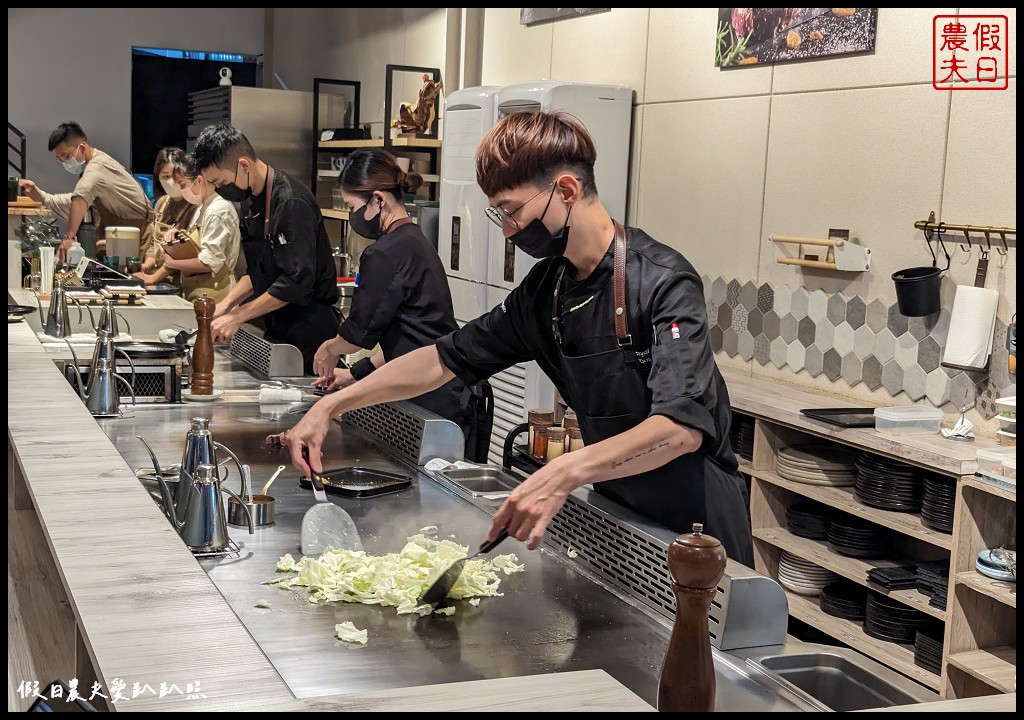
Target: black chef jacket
(669, 370)
(293, 263)
(403, 302)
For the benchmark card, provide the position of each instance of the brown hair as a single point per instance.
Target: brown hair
(373, 170)
(172, 155)
(530, 147)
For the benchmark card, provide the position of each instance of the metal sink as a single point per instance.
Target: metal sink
(486, 481)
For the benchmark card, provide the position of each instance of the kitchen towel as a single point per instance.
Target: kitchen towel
(971, 328)
(280, 395)
(46, 259)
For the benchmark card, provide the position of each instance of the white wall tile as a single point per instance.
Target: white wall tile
(602, 48)
(514, 53)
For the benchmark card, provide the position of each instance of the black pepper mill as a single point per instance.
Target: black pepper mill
(202, 353)
(696, 563)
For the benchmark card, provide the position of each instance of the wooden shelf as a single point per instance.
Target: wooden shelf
(854, 569)
(995, 666)
(1000, 590)
(973, 482)
(336, 214)
(898, 657)
(842, 498)
(425, 143)
(746, 467)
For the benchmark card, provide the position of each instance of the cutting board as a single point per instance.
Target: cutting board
(26, 203)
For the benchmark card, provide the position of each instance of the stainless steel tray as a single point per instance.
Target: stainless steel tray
(482, 481)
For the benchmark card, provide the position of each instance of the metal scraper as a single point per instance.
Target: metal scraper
(325, 524)
(439, 590)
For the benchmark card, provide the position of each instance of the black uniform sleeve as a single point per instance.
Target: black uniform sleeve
(682, 366)
(375, 302)
(491, 343)
(294, 247)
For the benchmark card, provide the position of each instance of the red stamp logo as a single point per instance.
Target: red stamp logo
(970, 52)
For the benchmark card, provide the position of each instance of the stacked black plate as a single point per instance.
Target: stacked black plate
(899, 577)
(887, 484)
(937, 503)
(809, 519)
(849, 535)
(845, 599)
(928, 647)
(889, 620)
(742, 436)
(933, 581)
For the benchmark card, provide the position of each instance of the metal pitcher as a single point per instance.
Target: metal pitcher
(104, 349)
(103, 400)
(204, 525)
(108, 319)
(57, 322)
(200, 449)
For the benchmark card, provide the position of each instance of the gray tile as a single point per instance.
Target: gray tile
(892, 378)
(940, 329)
(896, 322)
(745, 345)
(863, 342)
(836, 309)
(876, 315)
(777, 353)
(999, 374)
(798, 303)
(853, 369)
(783, 300)
(919, 326)
(788, 326)
(806, 332)
(739, 319)
(885, 345)
(814, 361)
(817, 305)
(856, 311)
(906, 350)
(914, 382)
(872, 373)
(732, 294)
(824, 332)
(724, 316)
(832, 364)
(843, 339)
(715, 338)
(929, 354)
(770, 326)
(762, 346)
(748, 295)
(795, 355)
(712, 309)
(755, 322)
(765, 298)
(730, 342)
(936, 387)
(986, 403)
(718, 291)
(961, 390)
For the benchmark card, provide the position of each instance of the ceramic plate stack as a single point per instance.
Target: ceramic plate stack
(802, 576)
(887, 619)
(937, 503)
(928, 647)
(933, 581)
(818, 464)
(809, 519)
(845, 599)
(997, 564)
(742, 436)
(888, 484)
(849, 535)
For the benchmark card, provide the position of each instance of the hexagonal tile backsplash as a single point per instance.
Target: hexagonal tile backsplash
(851, 341)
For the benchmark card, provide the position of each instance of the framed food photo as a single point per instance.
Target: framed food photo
(758, 36)
(533, 16)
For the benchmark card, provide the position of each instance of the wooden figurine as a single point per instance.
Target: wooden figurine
(202, 353)
(417, 118)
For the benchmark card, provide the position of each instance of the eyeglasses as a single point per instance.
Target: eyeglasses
(500, 216)
(65, 158)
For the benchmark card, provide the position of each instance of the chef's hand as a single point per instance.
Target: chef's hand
(224, 327)
(147, 278)
(308, 435)
(326, 360)
(149, 264)
(31, 189)
(168, 237)
(530, 507)
(342, 378)
(221, 309)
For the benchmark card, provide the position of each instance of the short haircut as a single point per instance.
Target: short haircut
(220, 145)
(67, 133)
(528, 147)
(372, 170)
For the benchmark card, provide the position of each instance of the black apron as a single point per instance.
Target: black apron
(609, 393)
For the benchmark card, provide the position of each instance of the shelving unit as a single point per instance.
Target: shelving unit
(320, 147)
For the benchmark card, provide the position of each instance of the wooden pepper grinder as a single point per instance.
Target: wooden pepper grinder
(696, 563)
(202, 353)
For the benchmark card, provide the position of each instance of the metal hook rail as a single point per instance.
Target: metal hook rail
(930, 225)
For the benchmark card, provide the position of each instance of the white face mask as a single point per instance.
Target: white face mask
(171, 188)
(72, 165)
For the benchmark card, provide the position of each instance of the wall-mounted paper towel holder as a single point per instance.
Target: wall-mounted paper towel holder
(841, 254)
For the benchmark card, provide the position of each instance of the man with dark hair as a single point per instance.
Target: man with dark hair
(290, 280)
(104, 186)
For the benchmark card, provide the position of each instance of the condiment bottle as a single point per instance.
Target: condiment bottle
(538, 418)
(574, 439)
(540, 443)
(569, 420)
(202, 353)
(556, 443)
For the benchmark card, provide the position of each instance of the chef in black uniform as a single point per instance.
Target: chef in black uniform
(290, 281)
(402, 301)
(615, 319)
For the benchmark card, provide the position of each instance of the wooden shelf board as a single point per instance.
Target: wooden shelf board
(898, 657)
(842, 498)
(746, 467)
(995, 666)
(854, 569)
(1004, 592)
(379, 142)
(336, 214)
(972, 482)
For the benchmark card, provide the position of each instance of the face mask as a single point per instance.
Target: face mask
(172, 188)
(537, 241)
(232, 192)
(72, 165)
(191, 195)
(370, 229)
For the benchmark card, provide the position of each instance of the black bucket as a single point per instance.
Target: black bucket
(917, 290)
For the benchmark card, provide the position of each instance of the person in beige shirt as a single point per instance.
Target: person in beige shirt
(104, 185)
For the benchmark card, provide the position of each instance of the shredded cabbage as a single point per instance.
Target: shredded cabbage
(347, 631)
(396, 579)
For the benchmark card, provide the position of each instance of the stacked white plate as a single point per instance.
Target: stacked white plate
(802, 576)
(818, 464)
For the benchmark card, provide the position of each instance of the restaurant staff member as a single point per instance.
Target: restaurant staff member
(103, 185)
(290, 281)
(614, 318)
(403, 301)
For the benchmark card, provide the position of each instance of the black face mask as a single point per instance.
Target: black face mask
(537, 241)
(370, 229)
(232, 193)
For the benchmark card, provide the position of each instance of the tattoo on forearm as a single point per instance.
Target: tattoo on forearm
(634, 456)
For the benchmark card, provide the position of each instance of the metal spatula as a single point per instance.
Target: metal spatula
(443, 585)
(326, 524)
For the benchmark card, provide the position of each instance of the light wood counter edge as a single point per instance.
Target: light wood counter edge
(988, 703)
